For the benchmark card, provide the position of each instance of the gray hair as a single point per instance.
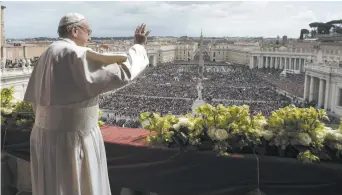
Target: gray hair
(64, 31)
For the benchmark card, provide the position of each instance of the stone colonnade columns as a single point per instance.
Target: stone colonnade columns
(285, 65)
(326, 94)
(306, 82)
(293, 67)
(281, 63)
(320, 93)
(260, 61)
(311, 92)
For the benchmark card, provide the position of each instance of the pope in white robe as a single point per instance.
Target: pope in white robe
(67, 149)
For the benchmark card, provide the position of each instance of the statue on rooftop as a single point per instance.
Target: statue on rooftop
(28, 62)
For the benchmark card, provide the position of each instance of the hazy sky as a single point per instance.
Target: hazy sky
(267, 19)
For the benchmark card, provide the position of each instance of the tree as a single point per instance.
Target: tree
(303, 32)
(321, 28)
(337, 25)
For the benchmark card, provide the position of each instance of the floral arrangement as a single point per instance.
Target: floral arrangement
(233, 129)
(19, 114)
(15, 113)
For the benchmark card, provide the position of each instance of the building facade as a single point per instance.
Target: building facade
(323, 83)
(293, 57)
(2, 30)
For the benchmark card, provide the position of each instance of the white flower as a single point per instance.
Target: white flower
(145, 123)
(176, 126)
(334, 135)
(267, 135)
(183, 121)
(221, 134)
(339, 137)
(211, 132)
(304, 139)
(261, 122)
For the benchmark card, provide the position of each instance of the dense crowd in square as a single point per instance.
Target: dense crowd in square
(172, 89)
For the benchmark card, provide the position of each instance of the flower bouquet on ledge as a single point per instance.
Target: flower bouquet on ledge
(288, 132)
(17, 118)
(296, 130)
(333, 143)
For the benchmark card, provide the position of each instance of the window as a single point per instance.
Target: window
(9, 54)
(340, 97)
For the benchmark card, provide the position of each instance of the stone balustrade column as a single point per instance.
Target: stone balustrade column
(311, 92)
(320, 93)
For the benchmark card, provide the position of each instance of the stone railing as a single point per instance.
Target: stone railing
(151, 50)
(12, 72)
(323, 67)
(289, 50)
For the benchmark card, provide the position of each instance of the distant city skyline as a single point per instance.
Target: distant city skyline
(218, 19)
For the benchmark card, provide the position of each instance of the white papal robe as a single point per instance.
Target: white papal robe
(67, 149)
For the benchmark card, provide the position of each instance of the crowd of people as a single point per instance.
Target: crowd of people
(171, 89)
(293, 83)
(238, 76)
(160, 90)
(127, 123)
(18, 63)
(132, 106)
(165, 81)
(265, 108)
(242, 93)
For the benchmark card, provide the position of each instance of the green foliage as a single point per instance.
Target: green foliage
(160, 125)
(23, 107)
(333, 139)
(297, 126)
(322, 28)
(6, 96)
(221, 125)
(24, 121)
(100, 122)
(225, 128)
(19, 111)
(307, 157)
(303, 32)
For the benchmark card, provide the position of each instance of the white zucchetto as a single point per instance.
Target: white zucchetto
(71, 18)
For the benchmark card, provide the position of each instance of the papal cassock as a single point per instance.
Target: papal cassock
(67, 149)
